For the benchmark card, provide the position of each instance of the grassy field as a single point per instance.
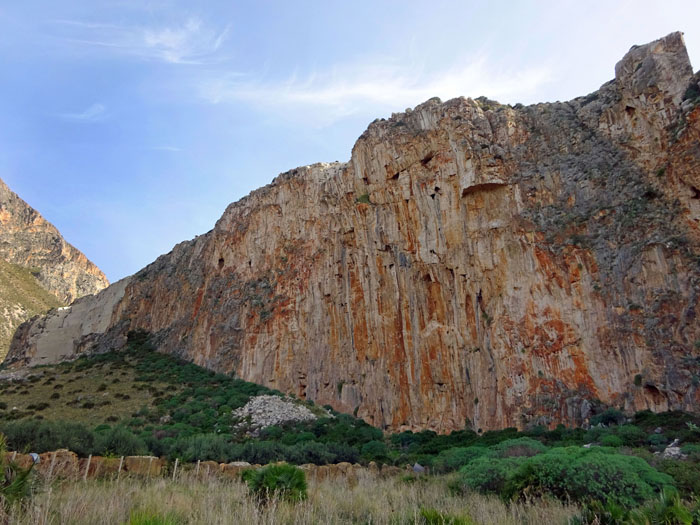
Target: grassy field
(103, 392)
(210, 502)
(21, 297)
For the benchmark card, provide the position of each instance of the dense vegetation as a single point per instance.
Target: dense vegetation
(154, 404)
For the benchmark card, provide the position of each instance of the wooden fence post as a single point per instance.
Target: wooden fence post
(121, 462)
(53, 461)
(175, 469)
(87, 467)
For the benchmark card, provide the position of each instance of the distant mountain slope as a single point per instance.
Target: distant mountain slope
(38, 268)
(29, 240)
(21, 297)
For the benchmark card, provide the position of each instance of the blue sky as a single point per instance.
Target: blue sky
(132, 124)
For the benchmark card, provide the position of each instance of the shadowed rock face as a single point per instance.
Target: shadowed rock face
(471, 262)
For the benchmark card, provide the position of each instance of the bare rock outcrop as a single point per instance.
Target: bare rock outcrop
(268, 410)
(473, 263)
(27, 239)
(39, 270)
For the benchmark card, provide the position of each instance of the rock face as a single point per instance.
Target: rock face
(472, 263)
(21, 297)
(39, 270)
(28, 240)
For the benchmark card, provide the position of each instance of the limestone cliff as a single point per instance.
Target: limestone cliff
(38, 268)
(471, 263)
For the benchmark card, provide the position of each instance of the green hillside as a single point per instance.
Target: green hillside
(21, 297)
(138, 401)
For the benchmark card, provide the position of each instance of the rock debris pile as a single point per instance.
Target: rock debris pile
(265, 411)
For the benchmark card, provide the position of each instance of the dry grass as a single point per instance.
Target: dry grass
(21, 297)
(90, 396)
(215, 501)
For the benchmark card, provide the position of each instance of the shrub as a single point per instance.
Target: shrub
(284, 481)
(518, 447)
(263, 452)
(611, 440)
(586, 475)
(686, 474)
(311, 452)
(692, 451)
(657, 441)
(668, 509)
(15, 482)
(42, 436)
(456, 457)
(488, 475)
(203, 447)
(121, 441)
(611, 416)
(376, 450)
(343, 452)
(631, 435)
(609, 514)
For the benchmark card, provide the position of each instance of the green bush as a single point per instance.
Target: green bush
(610, 416)
(374, 450)
(657, 441)
(611, 440)
(263, 452)
(686, 474)
(214, 447)
(631, 435)
(311, 452)
(608, 514)
(518, 447)
(343, 452)
(456, 457)
(15, 482)
(120, 441)
(488, 475)
(667, 509)
(586, 475)
(283, 481)
(43, 436)
(692, 451)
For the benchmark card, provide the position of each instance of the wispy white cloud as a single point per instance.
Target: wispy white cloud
(93, 113)
(343, 91)
(190, 42)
